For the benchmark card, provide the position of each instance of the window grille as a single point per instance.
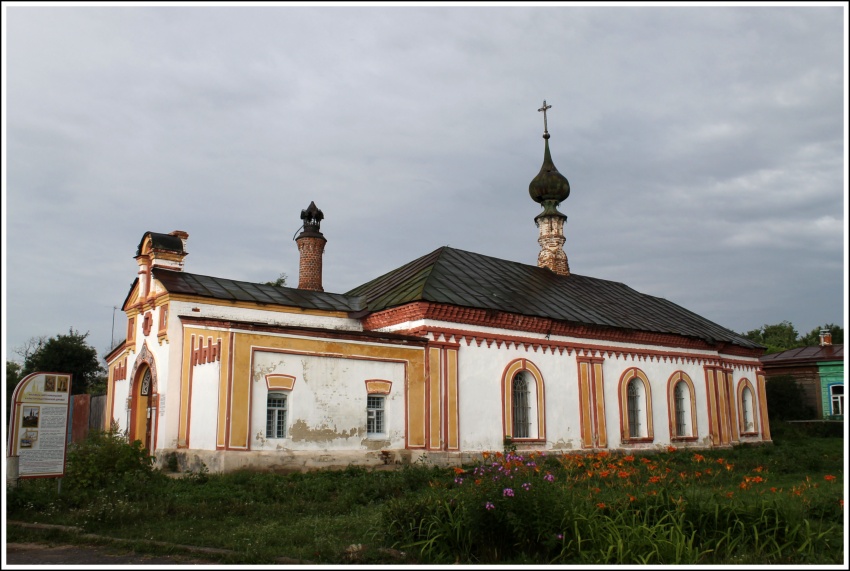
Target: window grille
(276, 415)
(836, 393)
(374, 415)
(146, 384)
(679, 396)
(520, 406)
(633, 398)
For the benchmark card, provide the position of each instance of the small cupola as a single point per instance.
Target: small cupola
(158, 250)
(549, 188)
(311, 247)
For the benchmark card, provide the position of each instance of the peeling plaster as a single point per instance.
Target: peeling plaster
(300, 431)
(372, 444)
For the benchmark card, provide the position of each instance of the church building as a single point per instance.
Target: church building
(448, 356)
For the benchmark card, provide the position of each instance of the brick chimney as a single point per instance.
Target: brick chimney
(825, 337)
(311, 246)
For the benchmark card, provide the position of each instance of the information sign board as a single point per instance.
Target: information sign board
(38, 430)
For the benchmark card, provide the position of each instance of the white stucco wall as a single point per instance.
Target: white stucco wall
(119, 410)
(327, 405)
(296, 318)
(481, 368)
(204, 406)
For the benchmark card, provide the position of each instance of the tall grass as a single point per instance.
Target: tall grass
(676, 507)
(768, 504)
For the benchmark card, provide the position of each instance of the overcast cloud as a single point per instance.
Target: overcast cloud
(704, 146)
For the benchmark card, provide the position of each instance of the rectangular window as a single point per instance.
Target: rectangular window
(837, 397)
(374, 415)
(276, 416)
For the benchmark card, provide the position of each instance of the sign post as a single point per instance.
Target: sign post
(38, 431)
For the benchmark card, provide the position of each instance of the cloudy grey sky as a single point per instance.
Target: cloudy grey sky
(704, 147)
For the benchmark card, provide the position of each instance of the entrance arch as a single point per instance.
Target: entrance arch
(144, 401)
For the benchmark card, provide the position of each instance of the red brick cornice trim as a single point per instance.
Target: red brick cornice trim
(585, 351)
(420, 310)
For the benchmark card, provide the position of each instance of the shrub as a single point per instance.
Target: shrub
(106, 461)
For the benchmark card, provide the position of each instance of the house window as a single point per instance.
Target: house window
(836, 396)
(680, 402)
(521, 406)
(375, 415)
(523, 401)
(636, 406)
(679, 397)
(276, 415)
(634, 403)
(747, 409)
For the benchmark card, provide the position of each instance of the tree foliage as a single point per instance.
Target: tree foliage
(13, 376)
(785, 399)
(280, 281)
(812, 338)
(66, 354)
(783, 336)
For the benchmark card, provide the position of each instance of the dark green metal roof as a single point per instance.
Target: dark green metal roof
(232, 290)
(161, 241)
(457, 277)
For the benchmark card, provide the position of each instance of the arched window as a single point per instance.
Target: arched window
(747, 409)
(635, 407)
(679, 399)
(276, 415)
(680, 403)
(523, 411)
(747, 415)
(521, 406)
(634, 400)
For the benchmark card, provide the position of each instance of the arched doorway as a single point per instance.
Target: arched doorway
(144, 405)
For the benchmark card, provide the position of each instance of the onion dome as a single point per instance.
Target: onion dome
(549, 188)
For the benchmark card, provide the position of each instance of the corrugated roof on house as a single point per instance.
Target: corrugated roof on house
(458, 277)
(233, 290)
(805, 355)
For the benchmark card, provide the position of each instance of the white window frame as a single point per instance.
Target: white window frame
(274, 424)
(836, 398)
(376, 416)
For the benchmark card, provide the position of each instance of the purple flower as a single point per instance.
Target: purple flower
(489, 506)
(508, 492)
(526, 486)
(549, 477)
(458, 480)
(560, 536)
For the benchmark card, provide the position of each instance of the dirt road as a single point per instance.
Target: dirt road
(42, 554)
